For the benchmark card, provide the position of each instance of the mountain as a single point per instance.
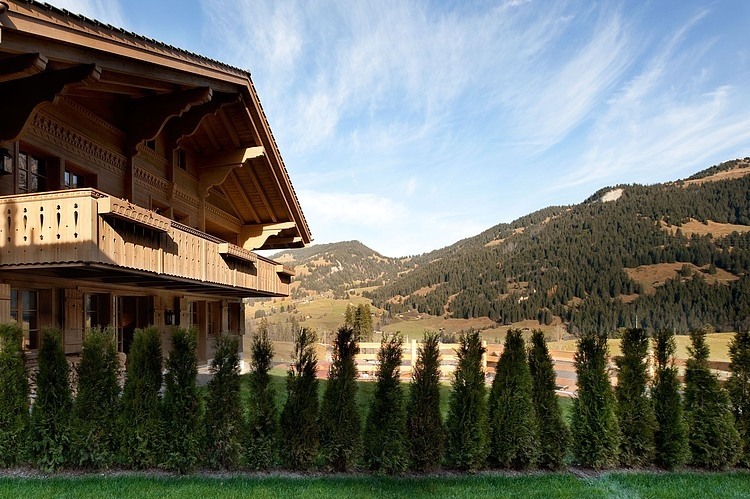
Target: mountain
(336, 268)
(673, 255)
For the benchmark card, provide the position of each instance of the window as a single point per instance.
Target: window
(32, 173)
(24, 310)
(96, 308)
(192, 313)
(182, 159)
(74, 180)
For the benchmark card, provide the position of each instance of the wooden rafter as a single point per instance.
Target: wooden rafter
(230, 128)
(261, 193)
(235, 181)
(28, 93)
(21, 66)
(222, 163)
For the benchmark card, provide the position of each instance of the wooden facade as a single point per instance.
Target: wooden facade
(136, 182)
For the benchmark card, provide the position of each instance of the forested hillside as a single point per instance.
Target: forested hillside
(579, 262)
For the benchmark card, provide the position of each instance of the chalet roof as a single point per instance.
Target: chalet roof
(119, 69)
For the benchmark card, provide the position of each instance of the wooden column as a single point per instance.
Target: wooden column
(73, 320)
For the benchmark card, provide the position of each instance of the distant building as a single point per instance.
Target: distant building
(136, 180)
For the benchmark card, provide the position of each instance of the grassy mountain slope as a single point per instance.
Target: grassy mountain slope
(576, 263)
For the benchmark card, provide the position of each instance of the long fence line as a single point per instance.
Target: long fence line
(563, 360)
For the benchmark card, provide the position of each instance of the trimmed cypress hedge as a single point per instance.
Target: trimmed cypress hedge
(261, 449)
(14, 396)
(738, 387)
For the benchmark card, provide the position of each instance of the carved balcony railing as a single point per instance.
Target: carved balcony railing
(88, 228)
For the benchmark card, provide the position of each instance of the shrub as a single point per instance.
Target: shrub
(14, 395)
(300, 435)
(514, 433)
(738, 387)
(49, 431)
(424, 423)
(467, 424)
(595, 431)
(554, 435)
(181, 407)
(95, 406)
(714, 441)
(263, 425)
(385, 430)
(223, 420)
(670, 435)
(635, 412)
(340, 426)
(140, 415)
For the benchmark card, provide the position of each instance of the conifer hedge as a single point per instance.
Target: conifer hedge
(467, 424)
(635, 412)
(261, 449)
(514, 432)
(738, 387)
(95, 438)
(594, 426)
(385, 430)
(670, 436)
(181, 407)
(14, 396)
(140, 418)
(49, 431)
(223, 419)
(426, 431)
(714, 441)
(299, 431)
(554, 435)
(340, 424)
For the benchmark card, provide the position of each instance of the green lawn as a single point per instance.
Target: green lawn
(644, 485)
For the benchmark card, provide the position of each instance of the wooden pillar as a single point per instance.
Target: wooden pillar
(73, 320)
(4, 303)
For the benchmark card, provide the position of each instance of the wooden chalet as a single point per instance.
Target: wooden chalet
(136, 182)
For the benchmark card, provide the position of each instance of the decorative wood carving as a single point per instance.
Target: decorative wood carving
(255, 236)
(185, 125)
(126, 210)
(30, 92)
(223, 162)
(147, 116)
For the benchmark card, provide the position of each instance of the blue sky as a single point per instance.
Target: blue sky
(409, 125)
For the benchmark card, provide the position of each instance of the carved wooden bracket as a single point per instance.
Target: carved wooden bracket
(222, 163)
(23, 95)
(185, 125)
(21, 66)
(253, 237)
(147, 116)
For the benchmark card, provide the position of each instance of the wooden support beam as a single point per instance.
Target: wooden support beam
(230, 128)
(221, 164)
(21, 66)
(262, 193)
(253, 237)
(233, 178)
(147, 116)
(179, 127)
(23, 95)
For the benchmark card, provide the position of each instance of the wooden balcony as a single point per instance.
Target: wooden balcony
(85, 234)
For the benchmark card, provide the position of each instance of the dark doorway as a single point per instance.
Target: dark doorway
(134, 312)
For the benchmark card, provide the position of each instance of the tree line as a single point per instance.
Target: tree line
(165, 422)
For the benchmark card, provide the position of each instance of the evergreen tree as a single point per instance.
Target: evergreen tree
(95, 406)
(514, 433)
(714, 441)
(14, 395)
(300, 435)
(385, 431)
(738, 387)
(635, 411)
(340, 426)
(425, 427)
(263, 426)
(595, 430)
(467, 423)
(349, 315)
(223, 417)
(671, 436)
(181, 404)
(363, 328)
(49, 431)
(140, 419)
(554, 435)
